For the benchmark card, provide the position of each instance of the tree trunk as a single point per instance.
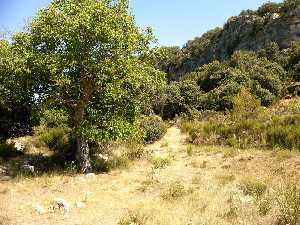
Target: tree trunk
(83, 150)
(83, 155)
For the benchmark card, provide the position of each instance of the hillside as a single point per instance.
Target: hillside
(249, 31)
(121, 133)
(179, 184)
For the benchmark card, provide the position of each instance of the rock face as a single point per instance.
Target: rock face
(252, 32)
(248, 31)
(294, 23)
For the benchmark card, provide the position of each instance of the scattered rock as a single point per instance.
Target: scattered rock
(3, 170)
(90, 175)
(28, 168)
(246, 157)
(19, 146)
(40, 209)
(4, 178)
(203, 164)
(80, 205)
(226, 165)
(60, 204)
(104, 157)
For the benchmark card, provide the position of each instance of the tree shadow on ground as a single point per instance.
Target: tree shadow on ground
(20, 164)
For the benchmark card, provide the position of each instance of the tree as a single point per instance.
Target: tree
(268, 9)
(222, 81)
(89, 52)
(16, 92)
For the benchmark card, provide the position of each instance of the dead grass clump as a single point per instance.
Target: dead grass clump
(231, 213)
(175, 190)
(197, 163)
(288, 200)
(225, 178)
(264, 205)
(283, 155)
(160, 162)
(253, 187)
(133, 217)
(189, 150)
(4, 220)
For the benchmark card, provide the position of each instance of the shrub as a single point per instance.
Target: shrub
(134, 151)
(264, 205)
(133, 217)
(246, 106)
(189, 150)
(268, 9)
(107, 160)
(175, 190)
(153, 127)
(247, 125)
(177, 98)
(253, 187)
(55, 138)
(54, 131)
(160, 162)
(284, 131)
(289, 205)
(222, 81)
(170, 102)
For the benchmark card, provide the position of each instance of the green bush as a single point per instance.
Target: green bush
(285, 136)
(253, 187)
(222, 81)
(268, 9)
(130, 151)
(247, 125)
(54, 131)
(153, 127)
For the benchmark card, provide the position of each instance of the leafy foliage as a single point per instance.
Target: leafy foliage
(153, 128)
(247, 125)
(222, 81)
(16, 92)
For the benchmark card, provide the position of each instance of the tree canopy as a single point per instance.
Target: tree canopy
(88, 54)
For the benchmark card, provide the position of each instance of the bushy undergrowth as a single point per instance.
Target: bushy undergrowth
(253, 187)
(54, 131)
(153, 128)
(248, 125)
(289, 205)
(118, 155)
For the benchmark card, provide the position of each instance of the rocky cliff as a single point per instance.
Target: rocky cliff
(251, 31)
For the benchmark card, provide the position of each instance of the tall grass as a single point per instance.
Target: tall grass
(245, 127)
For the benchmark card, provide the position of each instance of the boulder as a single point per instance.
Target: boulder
(40, 209)
(80, 205)
(61, 205)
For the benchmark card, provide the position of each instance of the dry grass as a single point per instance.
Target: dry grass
(183, 192)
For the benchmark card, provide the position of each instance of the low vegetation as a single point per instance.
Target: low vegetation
(248, 125)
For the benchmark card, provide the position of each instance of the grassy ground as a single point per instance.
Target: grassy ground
(179, 184)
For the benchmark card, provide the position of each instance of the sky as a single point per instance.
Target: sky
(174, 21)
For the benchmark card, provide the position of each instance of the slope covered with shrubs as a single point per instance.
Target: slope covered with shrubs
(252, 30)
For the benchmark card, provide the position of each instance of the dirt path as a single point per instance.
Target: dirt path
(195, 187)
